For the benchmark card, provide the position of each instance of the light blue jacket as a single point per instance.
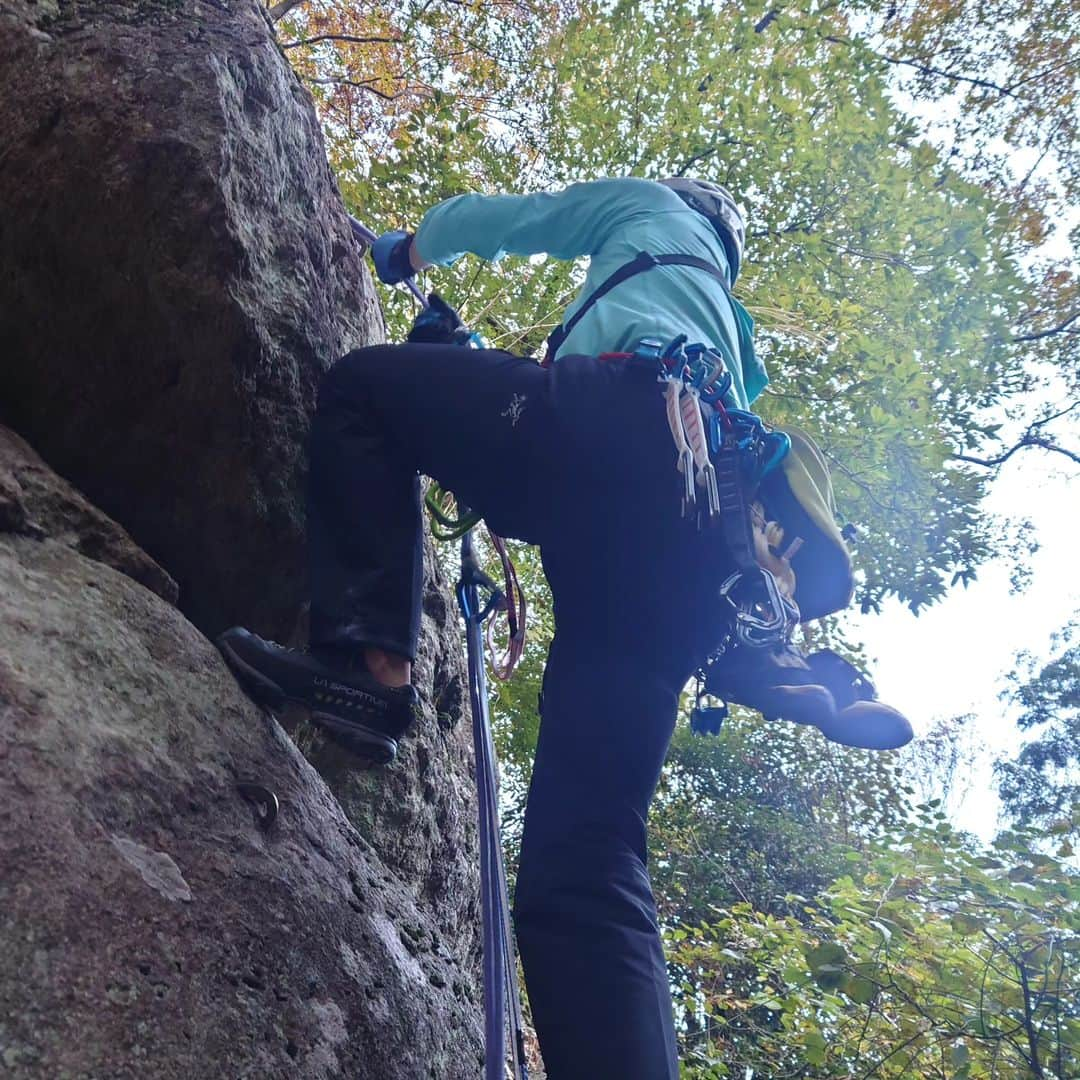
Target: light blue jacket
(610, 221)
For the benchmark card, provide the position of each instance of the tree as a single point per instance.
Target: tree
(896, 274)
(1040, 787)
(998, 83)
(927, 960)
(765, 810)
(757, 819)
(380, 72)
(941, 761)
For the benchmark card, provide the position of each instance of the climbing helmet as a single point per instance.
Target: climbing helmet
(717, 204)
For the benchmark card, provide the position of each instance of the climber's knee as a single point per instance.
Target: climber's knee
(359, 367)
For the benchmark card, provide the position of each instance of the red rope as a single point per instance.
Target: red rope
(516, 613)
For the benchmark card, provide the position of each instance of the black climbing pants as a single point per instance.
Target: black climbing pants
(579, 460)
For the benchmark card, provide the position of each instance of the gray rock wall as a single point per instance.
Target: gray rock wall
(150, 924)
(176, 270)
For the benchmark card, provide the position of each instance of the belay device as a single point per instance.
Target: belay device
(478, 598)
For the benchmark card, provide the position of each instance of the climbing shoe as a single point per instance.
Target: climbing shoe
(821, 689)
(860, 720)
(345, 699)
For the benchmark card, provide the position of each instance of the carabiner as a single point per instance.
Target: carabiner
(763, 620)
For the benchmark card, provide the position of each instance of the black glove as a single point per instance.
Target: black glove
(439, 324)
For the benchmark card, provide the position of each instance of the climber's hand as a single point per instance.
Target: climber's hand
(391, 254)
(439, 324)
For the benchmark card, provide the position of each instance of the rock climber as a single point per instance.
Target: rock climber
(576, 457)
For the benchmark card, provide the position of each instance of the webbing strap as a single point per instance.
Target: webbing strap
(735, 508)
(638, 265)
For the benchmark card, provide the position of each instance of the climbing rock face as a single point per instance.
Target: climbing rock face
(154, 922)
(176, 270)
(35, 502)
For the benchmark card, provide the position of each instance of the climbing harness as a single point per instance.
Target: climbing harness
(478, 598)
(696, 382)
(743, 449)
(706, 429)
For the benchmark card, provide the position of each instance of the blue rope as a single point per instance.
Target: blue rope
(500, 972)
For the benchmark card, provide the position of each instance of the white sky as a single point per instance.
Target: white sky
(952, 658)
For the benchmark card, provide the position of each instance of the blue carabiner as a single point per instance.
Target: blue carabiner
(649, 351)
(780, 443)
(718, 390)
(714, 432)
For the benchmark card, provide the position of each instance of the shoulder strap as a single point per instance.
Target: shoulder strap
(638, 265)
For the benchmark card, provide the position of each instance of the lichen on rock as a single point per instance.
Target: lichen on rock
(151, 925)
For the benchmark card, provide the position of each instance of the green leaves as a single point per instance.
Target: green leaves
(815, 1049)
(827, 964)
(816, 929)
(965, 924)
(975, 977)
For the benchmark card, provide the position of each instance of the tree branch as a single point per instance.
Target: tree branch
(336, 81)
(1062, 326)
(350, 39)
(1029, 1018)
(1047, 147)
(282, 8)
(694, 159)
(1031, 437)
(767, 18)
(927, 69)
(862, 484)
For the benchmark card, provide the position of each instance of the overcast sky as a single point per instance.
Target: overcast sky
(952, 658)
